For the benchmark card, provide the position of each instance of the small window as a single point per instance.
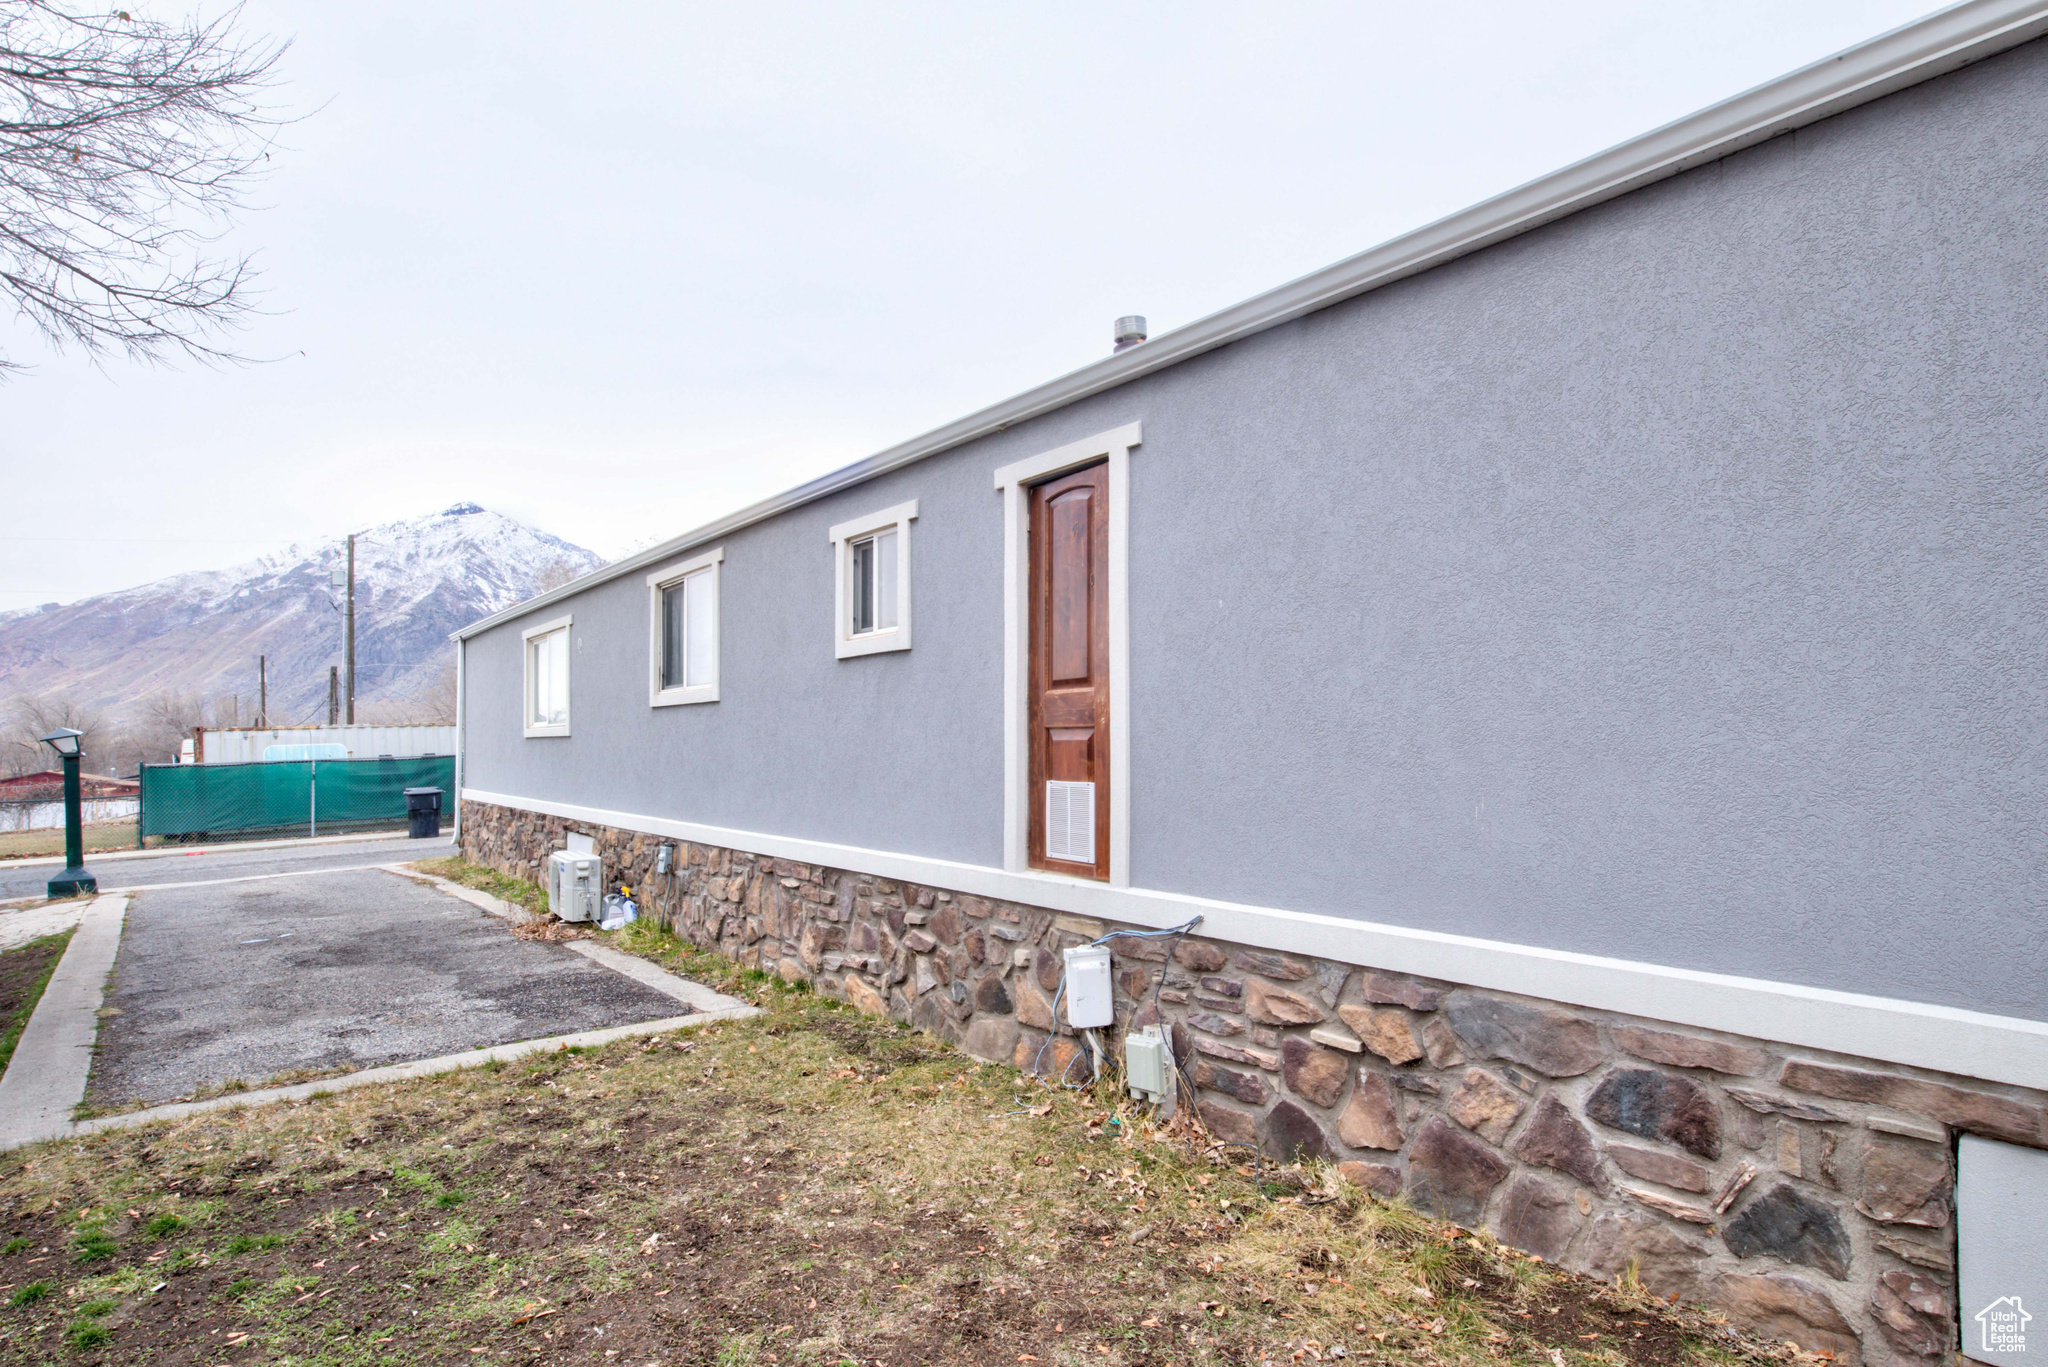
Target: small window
(873, 579)
(683, 643)
(874, 583)
(547, 679)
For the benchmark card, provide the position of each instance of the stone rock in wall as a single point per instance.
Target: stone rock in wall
(1911, 1310)
(1538, 1216)
(1980, 1112)
(1665, 1261)
(1763, 1103)
(1554, 1042)
(1905, 1183)
(1246, 1087)
(1199, 956)
(1276, 966)
(1689, 1051)
(1378, 1178)
(1390, 991)
(919, 942)
(1385, 1030)
(865, 998)
(1444, 1048)
(1790, 1225)
(1668, 1169)
(1555, 1139)
(864, 938)
(1314, 1074)
(1451, 1175)
(1032, 1007)
(945, 925)
(1048, 1057)
(1213, 1023)
(1230, 1053)
(1641, 1101)
(1781, 1306)
(1231, 1126)
(927, 977)
(991, 1039)
(991, 996)
(1278, 1006)
(1370, 1120)
(1296, 1136)
(1045, 966)
(1485, 1105)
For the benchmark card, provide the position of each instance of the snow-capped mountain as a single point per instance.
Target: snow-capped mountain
(201, 633)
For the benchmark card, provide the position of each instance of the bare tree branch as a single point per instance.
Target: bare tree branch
(126, 145)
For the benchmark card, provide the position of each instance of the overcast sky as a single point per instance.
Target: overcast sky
(617, 270)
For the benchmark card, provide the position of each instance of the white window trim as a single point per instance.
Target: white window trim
(657, 696)
(846, 645)
(526, 670)
(1014, 481)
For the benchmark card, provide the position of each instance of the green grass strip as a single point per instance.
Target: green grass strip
(10, 1030)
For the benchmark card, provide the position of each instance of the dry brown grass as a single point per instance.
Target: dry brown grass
(100, 837)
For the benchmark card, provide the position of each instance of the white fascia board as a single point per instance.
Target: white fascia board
(2000, 1049)
(1915, 52)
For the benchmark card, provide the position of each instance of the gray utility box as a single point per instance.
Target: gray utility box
(2002, 1249)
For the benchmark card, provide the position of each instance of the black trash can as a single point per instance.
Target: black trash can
(423, 812)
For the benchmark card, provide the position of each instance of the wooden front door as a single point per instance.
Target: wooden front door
(1070, 673)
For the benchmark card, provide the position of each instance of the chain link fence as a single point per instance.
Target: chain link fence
(199, 803)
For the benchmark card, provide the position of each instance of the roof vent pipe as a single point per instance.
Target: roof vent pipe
(1130, 330)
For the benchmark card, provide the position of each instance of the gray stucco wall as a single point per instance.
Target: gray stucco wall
(1667, 583)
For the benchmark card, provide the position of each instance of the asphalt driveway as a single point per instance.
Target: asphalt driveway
(210, 862)
(348, 968)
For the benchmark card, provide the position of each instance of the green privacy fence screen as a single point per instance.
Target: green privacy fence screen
(198, 802)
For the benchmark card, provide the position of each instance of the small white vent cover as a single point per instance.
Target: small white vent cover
(1070, 821)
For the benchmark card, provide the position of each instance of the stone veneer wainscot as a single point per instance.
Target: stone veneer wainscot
(1806, 1195)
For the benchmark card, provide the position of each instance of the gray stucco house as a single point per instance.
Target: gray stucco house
(1583, 661)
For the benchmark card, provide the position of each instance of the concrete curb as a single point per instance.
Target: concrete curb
(46, 1077)
(396, 1072)
(226, 847)
(639, 970)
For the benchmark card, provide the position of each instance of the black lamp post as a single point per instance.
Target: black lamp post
(74, 881)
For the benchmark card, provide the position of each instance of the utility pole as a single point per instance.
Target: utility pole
(351, 629)
(262, 691)
(333, 694)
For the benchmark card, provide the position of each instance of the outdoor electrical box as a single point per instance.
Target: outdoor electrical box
(664, 859)
(575, 883)
(1148, 1065)
(1090, 1001)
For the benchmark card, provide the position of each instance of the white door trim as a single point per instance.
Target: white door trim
(1013, 481)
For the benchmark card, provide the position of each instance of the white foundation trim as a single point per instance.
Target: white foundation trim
(1942, 1038)
(1013, 481)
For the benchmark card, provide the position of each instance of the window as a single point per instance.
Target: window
(547, 678)
(872, 578)
(682, 602)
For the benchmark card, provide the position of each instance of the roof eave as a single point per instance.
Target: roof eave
(1906, 56)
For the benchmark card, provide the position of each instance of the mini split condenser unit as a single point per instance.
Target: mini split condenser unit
(575, 885)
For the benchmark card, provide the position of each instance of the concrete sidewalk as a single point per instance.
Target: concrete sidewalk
(46, 1077)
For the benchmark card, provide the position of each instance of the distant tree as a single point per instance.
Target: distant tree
(27, 719)
(125, 144)
(550, 576)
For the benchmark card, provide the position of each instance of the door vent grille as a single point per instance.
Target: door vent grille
(1070, 821)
